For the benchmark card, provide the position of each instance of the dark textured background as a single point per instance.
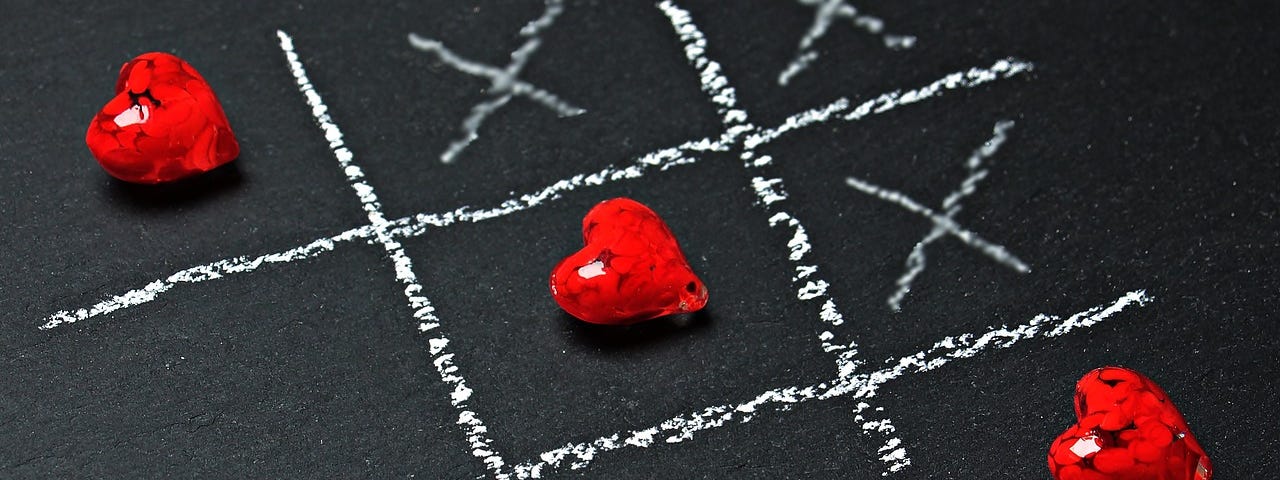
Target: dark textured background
(1144, 157)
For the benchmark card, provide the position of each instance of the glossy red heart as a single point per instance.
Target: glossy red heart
(629, 270)
(164, 123)
(1127, 429)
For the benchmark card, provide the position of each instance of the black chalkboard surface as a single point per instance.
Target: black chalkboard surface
(919, 223)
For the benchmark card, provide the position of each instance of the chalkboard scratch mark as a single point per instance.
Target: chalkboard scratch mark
(475, 429)
(859, 386)
(916, 260)
(28, 461)
(826, 13)
(201, 421)
(505, 82)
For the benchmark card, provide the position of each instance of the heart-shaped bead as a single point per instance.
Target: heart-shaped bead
(163, 124)
(1126, 429)
(629, 270)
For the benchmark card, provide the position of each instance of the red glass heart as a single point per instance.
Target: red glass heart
(163, 124)
(630, 269)
(1126, 429)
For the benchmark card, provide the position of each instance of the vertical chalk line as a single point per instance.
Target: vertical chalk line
(476, 431)
(678, 429)
(720, 91)
(770, 194)
(916, 260)
(826, 12)
(505, 82)
(444, 364)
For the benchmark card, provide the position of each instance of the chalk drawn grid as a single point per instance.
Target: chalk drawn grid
(855, 380)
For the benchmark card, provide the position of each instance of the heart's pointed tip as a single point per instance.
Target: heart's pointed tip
(693, 297)
(1204, 469)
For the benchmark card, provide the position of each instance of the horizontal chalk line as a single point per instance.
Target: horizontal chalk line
(967, 79)
(410, 226)
(865, 385)
(208, 271)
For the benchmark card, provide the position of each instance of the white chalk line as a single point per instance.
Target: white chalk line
(711, 77)
(917, 260)
(883, 103)
(825, 14)
(968, 345)
(844, 109)
(770, 191)
(475, 430)
(840, 108)
(892, 452)
(810, 287)
(662, 160)
(861, 386)
(971, 78)
(505, 82)
(201, 273)
(719, 89)
(404, 227)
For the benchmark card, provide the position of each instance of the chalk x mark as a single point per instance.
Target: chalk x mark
(738, 133)
(505, 83)
(996, 252)
(826, 13)
(916, 260)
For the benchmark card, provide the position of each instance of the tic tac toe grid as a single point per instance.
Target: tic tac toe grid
(856, 379)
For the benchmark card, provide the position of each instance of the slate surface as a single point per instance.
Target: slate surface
(1144, 156)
